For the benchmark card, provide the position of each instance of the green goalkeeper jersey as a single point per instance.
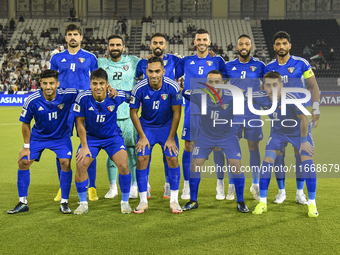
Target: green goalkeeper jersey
(121, 76)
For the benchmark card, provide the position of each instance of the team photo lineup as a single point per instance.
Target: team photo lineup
(125, 105)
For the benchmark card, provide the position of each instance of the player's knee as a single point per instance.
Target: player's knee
(65, 164)
(253, 146)
(24, 164)
(172, 162)
(123, 168)
(142, 162)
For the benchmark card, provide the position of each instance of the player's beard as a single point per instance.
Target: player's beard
(204, 51)
(117, 55)
(158, 53)
(282, 54)
(244, 56)
(73, 45)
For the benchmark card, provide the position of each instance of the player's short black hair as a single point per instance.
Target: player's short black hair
(99, 73)
(201, 31)
(244, 35)
(115, 37)
(49, 73)
(158, 34)
(273, 75)
(215, 72)
(156, 59)
(72, 27)
(281, 35)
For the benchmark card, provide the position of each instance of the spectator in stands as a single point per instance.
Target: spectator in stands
(306, 52)
(1, 27)
(318, 43)
(144, 19)
(98, 41)
(47, 33)
(255, 55)
(147, 37)
(180, 41)
(171, 20)
(18, 47)
(184, 34)
(331, 56)
(263, 55)
(189, 29)
(21, 40)
(30, 31)
(29, 44)
(226, 58)
(172, 41)
(175, 40)
(115, 16)
(142, 46)
(328, 67)
(120, 20)
(153, 25)
(42, 34)
(323, 44)
(124, 27)
(180, 19)
(125, 19)
(117, 28)
(102, 41)
(220, 51)
(127, 37)
(215, 48)
(12, 24)
(149, 19)
(230, 47)
(189, 21)
(193, 28)
(21, 19)
(177, 34)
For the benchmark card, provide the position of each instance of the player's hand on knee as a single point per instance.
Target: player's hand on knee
(307, 147)
(171, 145)
(112, 92)
(140, 146)
(82, 153)
(24, 152)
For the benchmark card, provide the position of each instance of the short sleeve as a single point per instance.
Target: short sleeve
(176, 97)
(94, 64)
(53, 63)
(78, 107)
(135, 99)
(139, 71)
(179, 72)
(26, 113)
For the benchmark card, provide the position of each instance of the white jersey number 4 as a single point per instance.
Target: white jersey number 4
(73, 66)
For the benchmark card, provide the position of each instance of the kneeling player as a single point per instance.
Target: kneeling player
(214, 135)
(50, 108)
(298, 135)
(161, 111)
(97, 128)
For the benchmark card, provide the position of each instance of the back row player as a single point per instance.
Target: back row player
(74, 66)
(294, 70)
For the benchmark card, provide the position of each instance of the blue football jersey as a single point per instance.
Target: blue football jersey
(156, 104)
(292, 111)
(50, 116)
(74, 69)
(293, 72)
(194, 69)
(100, 117)
(245, 75)
(171, 62)
(215, 111)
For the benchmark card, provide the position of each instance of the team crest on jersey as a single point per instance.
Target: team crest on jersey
(165, 62)
(60, 106)
(164, 96)
(126, 67)
(225, 106)
(291, 69)
(253, 68)
(111, 108)
(179, 96)
(209, 63)
(76, 108)
(82, 60)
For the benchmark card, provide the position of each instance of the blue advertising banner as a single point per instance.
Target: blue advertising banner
(13, 99)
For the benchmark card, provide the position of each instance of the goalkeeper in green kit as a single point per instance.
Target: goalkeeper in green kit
(121, 71)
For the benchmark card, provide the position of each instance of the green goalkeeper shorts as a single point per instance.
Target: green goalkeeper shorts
(129, 132)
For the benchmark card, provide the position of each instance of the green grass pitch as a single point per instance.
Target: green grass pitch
(215, 227)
